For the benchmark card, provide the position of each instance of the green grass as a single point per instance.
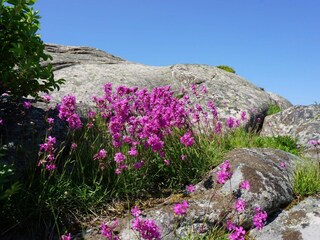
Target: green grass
(307, 178)
(273, 109)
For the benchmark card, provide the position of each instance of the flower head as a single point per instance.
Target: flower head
(147, 229)
(100, 155)
(66, 237)
(190, 188)
(135, 211)
(240, 205)
(237, 234)
(27, 105)
(225, 172)
(181, 208)
(259, 218)
(245, 185)
(187, 139)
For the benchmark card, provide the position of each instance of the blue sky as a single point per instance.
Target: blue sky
(274, 44)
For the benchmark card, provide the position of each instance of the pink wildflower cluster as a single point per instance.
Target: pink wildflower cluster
(314, 142)
(139, 117)
(66, 237)
(237, 232)
(119, 159)
(147, 229)
(67, 112)
(224, 173)
(48, 149)
(181, 208)
(108, 231)
(260, 218)
(187, 139)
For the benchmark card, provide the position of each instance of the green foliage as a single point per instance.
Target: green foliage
(22, 50)
(226, 68)
(307, 178)
(273, 109)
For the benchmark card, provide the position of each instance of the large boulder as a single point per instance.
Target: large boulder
(301, 222)
(87, 69)
(212, 203)
(300, 122)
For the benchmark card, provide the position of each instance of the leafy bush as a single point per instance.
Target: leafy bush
(22, 51)
(226, 68)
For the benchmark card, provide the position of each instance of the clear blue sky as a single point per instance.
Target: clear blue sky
(274, 44)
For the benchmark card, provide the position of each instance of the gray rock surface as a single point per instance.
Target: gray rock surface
(301, 122)
(211, 202)
(280, 101)
(87, 69)
(301, 222)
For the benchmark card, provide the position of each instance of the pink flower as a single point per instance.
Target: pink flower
(245, 185)
(190, 188)
(229, 225)
(218, 128)
(91, 114)
(314, 142)
(1, 121)
(238, 233)
(166, 162)
(100, 155)
(240, 205)
(50, 120)
(230, 122)
(119, 157)
(107, 231)
(138, 165)
(283, 165)
(183, 157)
(147, 229)
(133, 151)
(27, 105)
(74, 146)
(66, 237)
(181, 208)
(135, 211)
(46, 98)
(259, 218)
(187, 139)
(225, 172)
(243, 116)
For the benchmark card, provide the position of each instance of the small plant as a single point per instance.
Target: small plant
(273, 109)
(226, 68)
(307, 178)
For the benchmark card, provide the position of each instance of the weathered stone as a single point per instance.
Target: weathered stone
(302, 222)
(300, 122)
(212, 203)
(86, 70)
(280, 101)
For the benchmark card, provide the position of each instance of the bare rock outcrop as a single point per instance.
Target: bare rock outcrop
(87, 69)
(300, 122)
(301, 222)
